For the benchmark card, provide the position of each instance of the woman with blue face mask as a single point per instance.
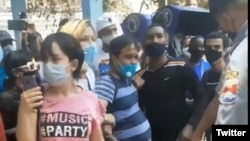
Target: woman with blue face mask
(77, 113)
(83, 31)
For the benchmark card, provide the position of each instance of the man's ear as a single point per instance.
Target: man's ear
(114, 60)
(226, 21)
(111, 59)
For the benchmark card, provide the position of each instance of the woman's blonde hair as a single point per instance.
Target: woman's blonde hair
(76, 28)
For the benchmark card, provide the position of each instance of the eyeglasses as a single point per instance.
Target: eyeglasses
(29, 67)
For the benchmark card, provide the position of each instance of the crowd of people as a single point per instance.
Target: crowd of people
(87, 84)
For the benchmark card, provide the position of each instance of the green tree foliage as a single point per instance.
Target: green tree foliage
(118, 6)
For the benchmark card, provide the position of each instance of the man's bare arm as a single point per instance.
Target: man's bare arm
(207, 120)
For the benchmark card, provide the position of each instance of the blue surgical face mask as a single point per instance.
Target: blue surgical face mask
(128, 70)
(55, 74)
(89, 54)
(103, 68)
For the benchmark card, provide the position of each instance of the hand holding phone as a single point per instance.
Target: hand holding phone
(33, 89)
(30, 100)
(29, 82)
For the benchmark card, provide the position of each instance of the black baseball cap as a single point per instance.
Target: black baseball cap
(4, 35)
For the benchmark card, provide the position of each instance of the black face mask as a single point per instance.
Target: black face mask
(155, 50)
(196, 54)
(212, 55)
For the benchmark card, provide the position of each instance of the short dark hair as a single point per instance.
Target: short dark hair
(120, 42)
(69, 46)
(194, 39)
(15, 59)
(158, 25)
(219, 35)
(159, 20)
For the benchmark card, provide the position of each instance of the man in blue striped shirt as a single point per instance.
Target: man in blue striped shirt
(119, 95)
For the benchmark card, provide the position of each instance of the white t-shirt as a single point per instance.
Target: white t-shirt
(89, 82)
(233, 88)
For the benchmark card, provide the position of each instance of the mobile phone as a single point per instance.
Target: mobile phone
(29, 82)
(17, 25)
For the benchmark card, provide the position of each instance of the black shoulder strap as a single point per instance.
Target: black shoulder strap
(89, 86)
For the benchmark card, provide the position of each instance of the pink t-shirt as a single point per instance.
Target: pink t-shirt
(70, 119)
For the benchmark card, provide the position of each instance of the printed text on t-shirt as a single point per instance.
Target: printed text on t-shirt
(63, 124)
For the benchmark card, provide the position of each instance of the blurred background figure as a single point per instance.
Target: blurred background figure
(230, 107)
(197, 52)
(6, 42)
(216, 45)
(10, 98)
(185, 47)
(84, 32)
(192, 3)
(108, 28)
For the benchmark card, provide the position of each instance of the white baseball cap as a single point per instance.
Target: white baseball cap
(106, 20)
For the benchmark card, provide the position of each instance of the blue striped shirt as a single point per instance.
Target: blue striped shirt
(131, 123)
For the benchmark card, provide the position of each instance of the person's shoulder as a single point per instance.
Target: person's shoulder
(9, 97)
(10, 93)
(244, 42)
(207, 73)
(176, 62)
(240, 51)
(104, 83)
(93, 101)
(90, 73)
(89, 95)
(105, 78)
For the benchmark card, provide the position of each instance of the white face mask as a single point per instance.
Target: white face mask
(55, 74)
(108, 39)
